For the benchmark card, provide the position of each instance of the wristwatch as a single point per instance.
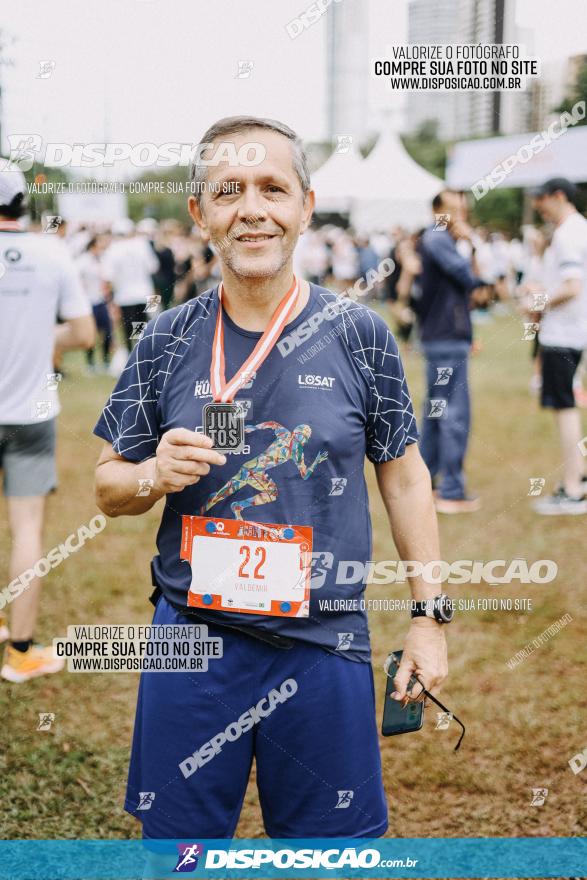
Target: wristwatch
(441, 608)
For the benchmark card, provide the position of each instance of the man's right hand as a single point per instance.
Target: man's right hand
(183, 457)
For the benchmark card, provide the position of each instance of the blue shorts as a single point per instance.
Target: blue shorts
(317, 753)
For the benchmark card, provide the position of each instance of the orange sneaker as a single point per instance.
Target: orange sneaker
(21, 666)
(4, 631)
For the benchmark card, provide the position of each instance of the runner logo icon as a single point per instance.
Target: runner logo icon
(146, 799)
(443, 375)
(46, 719)
(539, 796)
(437, 408)
(443, 720)
(344, 800)
(338, 484)
(344, 641)
(187, 861)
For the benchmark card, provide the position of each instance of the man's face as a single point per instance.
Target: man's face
(253, 215)
(453, 205)
(548, 207)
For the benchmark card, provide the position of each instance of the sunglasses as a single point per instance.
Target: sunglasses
(386, 666)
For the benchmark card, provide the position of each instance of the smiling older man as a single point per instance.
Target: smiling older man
(261, 465)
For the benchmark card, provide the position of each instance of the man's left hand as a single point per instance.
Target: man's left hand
(424, 654)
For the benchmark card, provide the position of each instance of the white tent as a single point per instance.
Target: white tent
(394, 189)
(338, 181)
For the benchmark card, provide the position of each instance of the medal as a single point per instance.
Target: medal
(224, 419)
(225, 424)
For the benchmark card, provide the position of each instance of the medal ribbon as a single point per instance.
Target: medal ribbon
(223, 391)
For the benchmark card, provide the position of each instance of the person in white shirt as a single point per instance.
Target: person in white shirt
(38, 282)
(312, 257)
(563, 336)
(345, 263)
(129, 265)
(530, 274)
(95, 287)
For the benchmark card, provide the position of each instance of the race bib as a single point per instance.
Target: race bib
(249, 567)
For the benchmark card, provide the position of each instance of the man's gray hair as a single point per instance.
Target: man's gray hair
(235, 124)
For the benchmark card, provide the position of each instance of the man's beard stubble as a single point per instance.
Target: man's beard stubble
(259, 268)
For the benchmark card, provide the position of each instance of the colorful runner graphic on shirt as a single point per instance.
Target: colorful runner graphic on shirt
(287, 446)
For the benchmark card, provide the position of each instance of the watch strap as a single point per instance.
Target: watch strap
(424, 608)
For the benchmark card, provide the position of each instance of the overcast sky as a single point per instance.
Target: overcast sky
(163, 70)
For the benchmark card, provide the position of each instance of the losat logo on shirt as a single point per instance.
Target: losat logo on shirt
(309, 380)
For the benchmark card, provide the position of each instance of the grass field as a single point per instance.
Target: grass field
(523, 725)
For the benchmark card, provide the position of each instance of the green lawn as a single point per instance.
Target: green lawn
(522, 725)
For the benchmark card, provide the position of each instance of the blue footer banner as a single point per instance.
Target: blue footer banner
(564, 857)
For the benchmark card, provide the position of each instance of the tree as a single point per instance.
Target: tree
(500, 209)
(425, 148)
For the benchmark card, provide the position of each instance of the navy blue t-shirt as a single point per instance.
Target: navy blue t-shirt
(336, 375)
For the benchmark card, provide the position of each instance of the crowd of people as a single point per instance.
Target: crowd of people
(452, 275)
(131, 271)
(437, 283)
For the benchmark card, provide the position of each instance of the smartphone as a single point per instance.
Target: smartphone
(398, 718)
